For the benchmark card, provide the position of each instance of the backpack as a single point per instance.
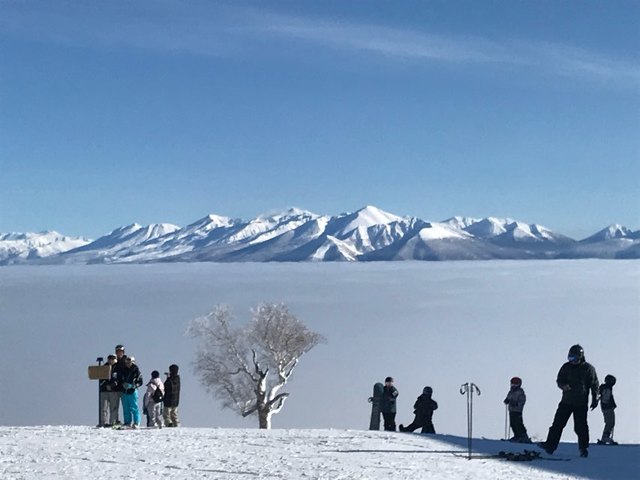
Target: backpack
(157, 395)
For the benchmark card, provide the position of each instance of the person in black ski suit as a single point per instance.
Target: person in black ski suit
(423, 410)
(608, 405)
(388, 405)
(576, 379)
(171, 397)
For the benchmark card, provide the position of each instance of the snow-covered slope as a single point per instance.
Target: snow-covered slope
(20, 247)
(295, 235)
(78, 453)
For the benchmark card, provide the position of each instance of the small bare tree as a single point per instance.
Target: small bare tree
(247, 367)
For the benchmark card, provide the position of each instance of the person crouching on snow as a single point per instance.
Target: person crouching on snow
(131, 380)
(423, 410)
(153, 400)
(516, 399)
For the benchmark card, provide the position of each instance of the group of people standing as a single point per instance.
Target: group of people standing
(160, 401)
(576, 379)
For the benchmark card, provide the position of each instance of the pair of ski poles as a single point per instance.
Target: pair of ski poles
(468, 389)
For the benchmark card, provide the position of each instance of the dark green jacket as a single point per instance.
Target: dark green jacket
(388, 404)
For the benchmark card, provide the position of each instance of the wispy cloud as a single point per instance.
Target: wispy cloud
(399, 44)
(206, 29)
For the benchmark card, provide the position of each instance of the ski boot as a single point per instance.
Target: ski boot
(545, 447)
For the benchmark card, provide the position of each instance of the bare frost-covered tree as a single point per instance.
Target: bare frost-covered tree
(246, 367)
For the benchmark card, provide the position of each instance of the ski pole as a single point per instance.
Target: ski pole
(506, 422)
(468, 389)
(99, 360)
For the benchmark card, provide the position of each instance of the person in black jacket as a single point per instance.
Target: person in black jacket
(172, 397)
(130, 380)
(576, 379)
(423, 410)
(116, 375)
(109, 398)
(608, 405)
(388, 405)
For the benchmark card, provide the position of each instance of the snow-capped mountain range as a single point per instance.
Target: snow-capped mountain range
(295, 235)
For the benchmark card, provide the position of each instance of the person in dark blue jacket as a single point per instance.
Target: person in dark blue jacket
(576, 379)
(388, 405)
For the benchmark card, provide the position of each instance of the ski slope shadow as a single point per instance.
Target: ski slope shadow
(603, 463)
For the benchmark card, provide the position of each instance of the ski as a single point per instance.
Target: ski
(524, 456)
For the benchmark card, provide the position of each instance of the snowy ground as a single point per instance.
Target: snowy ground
(30, 453)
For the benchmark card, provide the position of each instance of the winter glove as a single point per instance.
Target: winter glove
(127, 386)
(506, 401)
(594, 404)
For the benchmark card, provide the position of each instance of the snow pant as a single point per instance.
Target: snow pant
(389, 421)
(109, 404)
(119, 402)
(155, 414)
(560, 420)
(517, 425)
(171, 417)
(427, 426)
(609, 423)
(130, 411)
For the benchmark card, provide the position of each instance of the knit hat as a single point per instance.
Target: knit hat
(388, 380)
(427, 391)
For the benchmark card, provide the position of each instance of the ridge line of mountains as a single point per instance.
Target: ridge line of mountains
(295, 235)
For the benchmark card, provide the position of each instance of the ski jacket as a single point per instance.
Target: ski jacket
(117, 374)
(131, 378)
(172, 391)
(110, 384)
(606, 397)
(576, 381)
(152, 386)
(516, 399)
(424, 407)
(388, 403)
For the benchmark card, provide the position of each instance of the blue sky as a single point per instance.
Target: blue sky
(115, 112)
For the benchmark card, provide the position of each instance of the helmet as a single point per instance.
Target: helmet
(610, 380)
(427, 391)
(516, 381)
(576, 354)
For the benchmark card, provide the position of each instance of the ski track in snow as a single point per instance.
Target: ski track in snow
(29, 453)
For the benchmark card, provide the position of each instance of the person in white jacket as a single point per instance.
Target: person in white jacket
(153, 400)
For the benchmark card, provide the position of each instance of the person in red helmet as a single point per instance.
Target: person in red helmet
(516, 399)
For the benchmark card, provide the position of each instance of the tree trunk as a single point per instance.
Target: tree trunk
(264, 417)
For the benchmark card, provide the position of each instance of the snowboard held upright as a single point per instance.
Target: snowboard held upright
(375, 401)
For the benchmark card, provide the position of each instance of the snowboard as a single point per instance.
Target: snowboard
(375, 401)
